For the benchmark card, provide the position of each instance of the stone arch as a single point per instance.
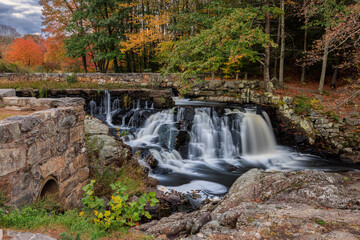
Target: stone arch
(49, 186)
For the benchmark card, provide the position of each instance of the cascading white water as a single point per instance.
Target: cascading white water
(256, 137)
(212, 137)
(220, 145)
(92, 106)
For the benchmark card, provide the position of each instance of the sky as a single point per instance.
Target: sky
(24, 15)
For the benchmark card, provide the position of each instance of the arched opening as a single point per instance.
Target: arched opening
(49, 188)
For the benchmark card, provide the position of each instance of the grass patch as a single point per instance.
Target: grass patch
(30, 218)
(47, 216)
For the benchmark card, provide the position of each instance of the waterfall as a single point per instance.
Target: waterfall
(108, 108)
(138, 104)
(92, 106)
(116, 105)
(257, 137)
(213, 138)
(203, 147)
(157, 127)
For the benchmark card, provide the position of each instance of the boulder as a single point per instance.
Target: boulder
(107, 148)
(94, 126)
(280, 205)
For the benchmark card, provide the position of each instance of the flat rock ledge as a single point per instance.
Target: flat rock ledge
(279, 205)
(14, 235)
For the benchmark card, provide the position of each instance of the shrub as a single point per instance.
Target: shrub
(118, 212)
(72, 78)
(39, 69)
(302, 105)
(12, 67)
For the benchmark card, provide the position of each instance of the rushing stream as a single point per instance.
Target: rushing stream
(204, 146)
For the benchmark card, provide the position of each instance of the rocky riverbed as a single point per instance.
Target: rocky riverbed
(278, 205)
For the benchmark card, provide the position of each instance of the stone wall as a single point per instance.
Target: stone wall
(339, 137)
(138, 79)
(45, 145)
(244, 91)
(208, 89)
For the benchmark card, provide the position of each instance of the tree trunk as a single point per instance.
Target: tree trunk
(132, 64)
(303, 70)
(267, 55)
(278, 43)
(282, 50)
(84, 63)
(333, 81)
(116, 66)
(324, 64)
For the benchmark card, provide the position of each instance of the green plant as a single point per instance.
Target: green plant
(331, 114)
(2, 199)
(118, 212)
(123, 133)
(33, 94)
(99, 91)
(127, 101)
(41, 93)
(320, 222)
(316, 104)
(302, 105)
(186, 87)
(72, 78)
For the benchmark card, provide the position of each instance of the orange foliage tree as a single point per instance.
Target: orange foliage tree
(26, 51)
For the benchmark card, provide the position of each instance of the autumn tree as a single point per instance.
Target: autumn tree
(326, 14)
(26, 51)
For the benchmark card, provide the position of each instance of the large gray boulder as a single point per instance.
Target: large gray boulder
(279, 205)
(101, 146)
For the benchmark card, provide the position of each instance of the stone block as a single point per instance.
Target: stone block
(9, 131)
(288, 100)
(7, 93)
(39, 151)
(22, 199)
(52, 165)
(214, 84)
(77, 134)
(67, 186)
(11, 160)
(26, 123)
(353, 121)
(62, 140)
(83, 174)
(23, 182)
(80, 161)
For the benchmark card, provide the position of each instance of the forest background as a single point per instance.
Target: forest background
(308, 40)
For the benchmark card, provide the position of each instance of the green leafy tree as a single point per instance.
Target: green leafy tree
(77, 45)
(233, 40)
